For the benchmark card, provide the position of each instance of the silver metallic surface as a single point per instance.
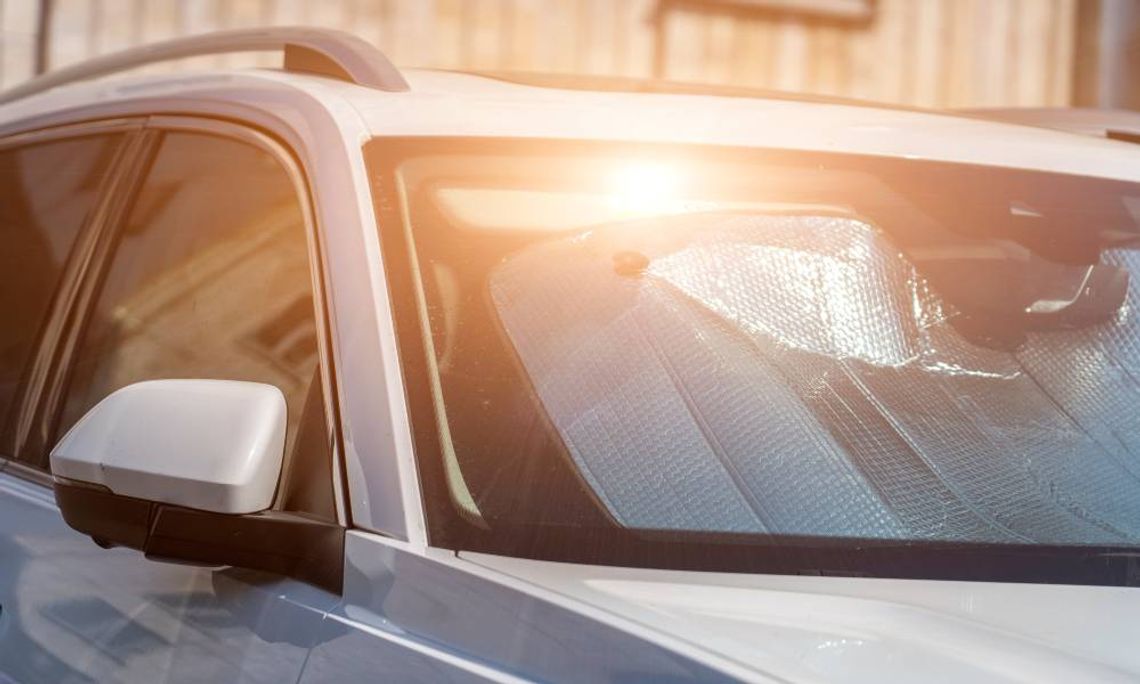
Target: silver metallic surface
(794, 374)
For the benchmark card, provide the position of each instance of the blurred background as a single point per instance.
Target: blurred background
(935, 53)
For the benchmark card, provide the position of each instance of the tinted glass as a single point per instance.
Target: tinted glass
(209, 279)
(47, 191)
(680, 357)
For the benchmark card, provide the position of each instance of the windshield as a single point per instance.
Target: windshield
(752, 360)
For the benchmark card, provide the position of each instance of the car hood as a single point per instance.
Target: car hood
(816, 629)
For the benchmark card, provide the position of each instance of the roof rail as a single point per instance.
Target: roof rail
(322, 51)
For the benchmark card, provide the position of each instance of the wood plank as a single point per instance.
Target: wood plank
(635, 38)
(17, 48)
(718, 40)
(1063, 39)
(792, 57)
(1031, 52)
(929, 52)
(686, 33)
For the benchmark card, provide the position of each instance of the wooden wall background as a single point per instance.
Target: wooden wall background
(923, 52)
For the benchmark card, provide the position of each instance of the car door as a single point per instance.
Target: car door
(178, 249)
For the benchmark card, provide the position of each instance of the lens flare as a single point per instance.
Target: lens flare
(644, 187)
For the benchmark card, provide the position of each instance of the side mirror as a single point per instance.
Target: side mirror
(214, 445)
(186, 470)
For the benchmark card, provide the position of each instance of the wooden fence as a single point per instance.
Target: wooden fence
(924, 52)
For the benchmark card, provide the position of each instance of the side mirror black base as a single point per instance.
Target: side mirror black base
(283, 543)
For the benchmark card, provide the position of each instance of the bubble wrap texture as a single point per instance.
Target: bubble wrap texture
(835, 295)
(792, 375)
(1094, 373)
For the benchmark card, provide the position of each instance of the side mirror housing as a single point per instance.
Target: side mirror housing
(213, 445)
(186, 470)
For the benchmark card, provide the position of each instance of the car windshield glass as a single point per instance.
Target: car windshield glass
(683, 356)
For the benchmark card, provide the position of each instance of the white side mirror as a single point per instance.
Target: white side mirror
(211, 445)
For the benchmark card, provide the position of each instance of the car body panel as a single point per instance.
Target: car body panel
(71, 611)
(424, 615)
(1093, 122)
(442, 103)
(802, 628)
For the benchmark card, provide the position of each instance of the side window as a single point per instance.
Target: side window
(210, 279)
(47, 191)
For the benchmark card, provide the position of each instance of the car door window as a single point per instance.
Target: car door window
(210, 279)
(47, 192)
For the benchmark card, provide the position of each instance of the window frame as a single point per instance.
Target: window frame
(53, 355)
(51, 340)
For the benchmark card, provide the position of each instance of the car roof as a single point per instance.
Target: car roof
(466, 104)
(633, 84)
(447, 103)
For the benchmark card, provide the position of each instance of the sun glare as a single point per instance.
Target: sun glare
(644, 187)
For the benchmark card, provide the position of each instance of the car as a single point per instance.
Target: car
(340, 372)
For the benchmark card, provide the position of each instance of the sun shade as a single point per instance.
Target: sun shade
(795, 375)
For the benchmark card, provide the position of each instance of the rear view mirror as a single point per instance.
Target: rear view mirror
(187, 470)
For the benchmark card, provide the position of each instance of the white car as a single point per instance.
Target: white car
(358, 374)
